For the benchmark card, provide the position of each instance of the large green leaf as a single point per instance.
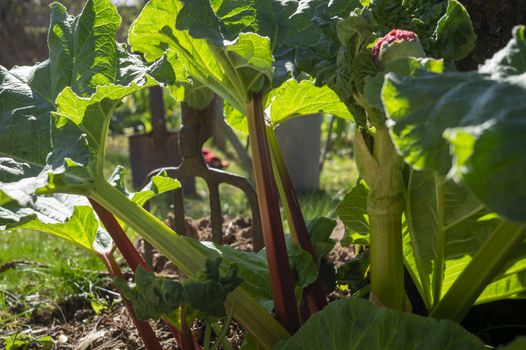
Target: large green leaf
(230, 69)
(293, 99)
(443, 220)
(453, 38)
(470, 125)
(226, 19)
(447, 226)
(68, 217)
(357, 324)
(93, 72)
(92, 114)
(83, 48)
(303, 98)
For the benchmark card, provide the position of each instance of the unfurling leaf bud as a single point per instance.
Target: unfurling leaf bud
(396, 44)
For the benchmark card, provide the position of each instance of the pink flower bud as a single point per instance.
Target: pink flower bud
(397, 44)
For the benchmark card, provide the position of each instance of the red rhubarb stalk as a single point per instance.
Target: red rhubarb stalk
(134, 259)
(278, 262)
(313, 295)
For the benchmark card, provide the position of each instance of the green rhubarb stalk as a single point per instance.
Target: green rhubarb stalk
(382, 171)
(278, 262)
(188, 258)
(314, 296)
(485, 265)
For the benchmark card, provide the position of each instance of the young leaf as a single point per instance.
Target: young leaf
(156, 297)
(152, 297)
(158, 185)
(357, 324)
(206, 292)
(338, 53)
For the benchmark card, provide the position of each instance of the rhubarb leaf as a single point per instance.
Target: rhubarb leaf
(158, 184)
(509, 61)
(44, 153)
(303, 98)
(68, 217)
(447, 226)
(338, 52)
(469, 125)
(229, 68)
(204, 293)
(357, 324)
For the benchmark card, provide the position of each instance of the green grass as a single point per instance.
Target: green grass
(54, 270)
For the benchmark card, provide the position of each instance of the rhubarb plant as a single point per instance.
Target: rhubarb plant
(439, 155)
(434, 220)
(351, 54)
(55, 118)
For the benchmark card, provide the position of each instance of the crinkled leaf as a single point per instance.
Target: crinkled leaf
(252, 268)
(230, 69)
(92, 114)
(357, 324)
(352, 210)
(68, 217)
(83, 49)
(338, 52)
(226, 19)
(154, 297)
(206, 292)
